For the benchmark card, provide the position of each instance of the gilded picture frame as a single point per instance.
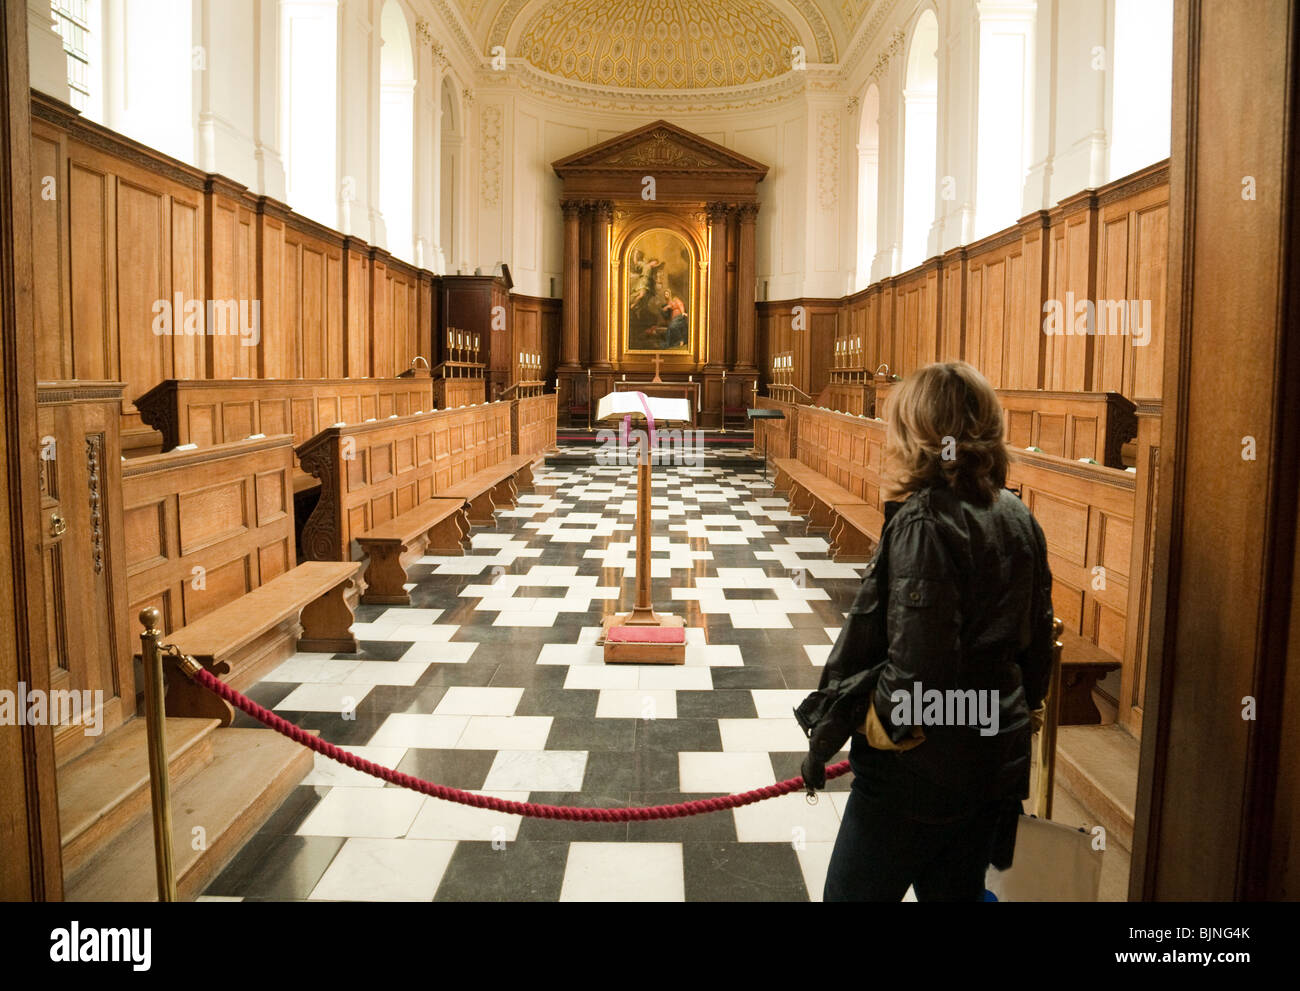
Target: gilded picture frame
(658, 310)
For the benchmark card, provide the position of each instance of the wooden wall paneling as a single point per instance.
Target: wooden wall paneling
(1068, 359)
(52, 284)
(92, 268)
(1133, 234)
(231, 260)
(90, 645)
(1026, 344)
(953, 270)
(205, 527)
(1137, 641)
(187, 244)
(30, 848)
(822, 324)
(271, 287)
(358, 329)
(1218, 793)
(1086, 512)
(426, 317)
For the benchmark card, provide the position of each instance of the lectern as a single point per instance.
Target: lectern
(765, 414)
(643, 636)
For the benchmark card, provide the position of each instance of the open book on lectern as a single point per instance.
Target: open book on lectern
(617, 405)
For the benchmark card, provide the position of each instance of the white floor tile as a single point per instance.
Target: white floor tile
(327, 772)
(537, 770)
(776, 703)
(431, 652)
(787, 819)
(464, 701)
(374, 812)
(624, 872)
(425, 732)
(725, 773)
(781, 735)
(505, 733)
(604, 676)
(378, 870)
(636, 703)
(311, 697)
(439, 819)
(814, 858)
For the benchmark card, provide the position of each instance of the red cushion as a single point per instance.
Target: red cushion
(646, 634)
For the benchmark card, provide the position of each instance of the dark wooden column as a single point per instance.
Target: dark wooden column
(602, 215)
(569, 351)
(719, 215)
(745, 308)
(1218, 793)
(585, 240)
(30, 856)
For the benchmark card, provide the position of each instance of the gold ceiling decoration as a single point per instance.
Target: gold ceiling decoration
(660, 44)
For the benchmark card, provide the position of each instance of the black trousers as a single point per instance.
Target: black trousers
(882, 849)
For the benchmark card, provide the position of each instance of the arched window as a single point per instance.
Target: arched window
(868, 182)
(1141, 84)
(397, 131)
(920, 137)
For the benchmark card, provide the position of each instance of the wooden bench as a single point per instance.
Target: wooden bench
(315, 594)
(533, 421)
(1083, 665)
(1070, 425)
(210, 544)
(218, 411)
(439, 525)
(811, 493)
(374, 472)
(856, 531)
(486, 491)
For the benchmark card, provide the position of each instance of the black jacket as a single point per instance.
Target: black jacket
(957, 599)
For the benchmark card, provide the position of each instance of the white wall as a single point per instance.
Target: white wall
(1036, 100)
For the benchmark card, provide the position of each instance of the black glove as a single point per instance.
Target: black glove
(814, 773)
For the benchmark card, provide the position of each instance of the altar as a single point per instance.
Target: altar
(690, 391)
(659, 287)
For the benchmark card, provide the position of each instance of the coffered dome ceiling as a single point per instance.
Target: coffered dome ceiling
(664, 44)
(660, 44)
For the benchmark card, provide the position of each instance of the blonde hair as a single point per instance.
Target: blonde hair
(945, 427)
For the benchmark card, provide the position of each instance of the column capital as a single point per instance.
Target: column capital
(748, 212)
(572, 208)
(717, 212)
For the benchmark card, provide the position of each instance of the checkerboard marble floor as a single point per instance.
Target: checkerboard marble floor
(491, 681)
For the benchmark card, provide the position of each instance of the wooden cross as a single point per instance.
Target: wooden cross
(658, 361)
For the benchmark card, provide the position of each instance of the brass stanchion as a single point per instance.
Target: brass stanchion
(155, 715)
(1051, 719)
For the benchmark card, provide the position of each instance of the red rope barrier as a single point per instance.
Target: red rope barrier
(640, 814)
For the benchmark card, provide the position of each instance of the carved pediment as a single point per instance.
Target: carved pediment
(659, 146)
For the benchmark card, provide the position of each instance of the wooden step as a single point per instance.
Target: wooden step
(1098, 766)
(105, 789)
(252, 772)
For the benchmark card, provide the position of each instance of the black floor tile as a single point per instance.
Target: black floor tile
(514, 872)
(735, 872)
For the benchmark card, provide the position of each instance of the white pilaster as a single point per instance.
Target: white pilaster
(309, 108)
(47, 63)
